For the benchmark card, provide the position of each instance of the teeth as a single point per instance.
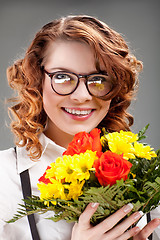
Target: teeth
(78, 112)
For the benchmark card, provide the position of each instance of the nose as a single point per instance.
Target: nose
(81, 94)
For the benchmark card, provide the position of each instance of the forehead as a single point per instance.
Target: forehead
(72, 55)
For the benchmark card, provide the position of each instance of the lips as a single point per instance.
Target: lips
(78, 112)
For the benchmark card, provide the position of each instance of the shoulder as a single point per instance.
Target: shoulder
(7, 152)
(7, 159)
(10, 193)
(8, 166)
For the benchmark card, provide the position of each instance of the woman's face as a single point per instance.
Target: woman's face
(78, 111)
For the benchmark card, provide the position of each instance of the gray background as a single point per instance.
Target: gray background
(137, 20)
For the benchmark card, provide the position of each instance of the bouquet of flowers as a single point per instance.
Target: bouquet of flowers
(112, 169)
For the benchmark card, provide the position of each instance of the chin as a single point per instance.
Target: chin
(77, 129)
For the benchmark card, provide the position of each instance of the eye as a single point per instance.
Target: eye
(99, 84)
(97, 80)
(61, 77)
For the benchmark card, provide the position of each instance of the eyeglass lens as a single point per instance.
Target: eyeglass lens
(65, 83)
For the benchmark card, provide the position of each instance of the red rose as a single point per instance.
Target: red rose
(83, 141)
(43, 178)
(111, 167)
(96, 145)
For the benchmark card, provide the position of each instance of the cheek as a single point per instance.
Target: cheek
(46, 88)
(104, 107)
(49, 97)
(46, 94)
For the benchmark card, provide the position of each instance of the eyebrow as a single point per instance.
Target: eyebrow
(69, 70)
(60, 69)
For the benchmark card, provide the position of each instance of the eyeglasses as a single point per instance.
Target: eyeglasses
(65, 83)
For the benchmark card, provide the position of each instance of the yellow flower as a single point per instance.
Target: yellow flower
(129, 136)
(67, 177)
(63, 169)
(75, 190)
(84, 164)
(51, 190)
(50, 173)
(121, 143)
(144, 151)
(72, 168)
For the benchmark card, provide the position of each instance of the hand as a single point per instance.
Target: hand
(107, 230)
(147, 230)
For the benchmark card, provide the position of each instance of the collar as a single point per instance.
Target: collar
(23, 160)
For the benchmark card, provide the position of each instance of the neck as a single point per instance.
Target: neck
(58, 136)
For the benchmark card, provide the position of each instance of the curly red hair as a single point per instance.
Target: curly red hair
(26, 76)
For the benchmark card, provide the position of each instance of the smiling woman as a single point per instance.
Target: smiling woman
(103, 51)
(79, 110)
(77, 74)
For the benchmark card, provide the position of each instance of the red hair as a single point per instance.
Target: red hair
(26, 76)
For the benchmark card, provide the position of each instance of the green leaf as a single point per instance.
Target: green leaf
(110, 200)
(142, 132)
(142, 189)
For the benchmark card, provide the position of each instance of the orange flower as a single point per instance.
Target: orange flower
(84, 141)
(43, 178)
(111, 167)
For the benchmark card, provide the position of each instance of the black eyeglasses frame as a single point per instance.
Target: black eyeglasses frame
(78, 76)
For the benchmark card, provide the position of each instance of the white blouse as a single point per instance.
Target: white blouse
(11, 195)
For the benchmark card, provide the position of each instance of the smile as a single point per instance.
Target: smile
(78, 112)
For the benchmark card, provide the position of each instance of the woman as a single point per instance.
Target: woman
(76, 75)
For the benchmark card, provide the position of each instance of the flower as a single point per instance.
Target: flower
(144, 151)
(121, 143)
(111, 167)
(43, 178)
(72, 168)
(65, 177)
(84, 141)
(75, 190)
(123, 171)
(55, 189)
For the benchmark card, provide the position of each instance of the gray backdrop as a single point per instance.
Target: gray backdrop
(137, 20)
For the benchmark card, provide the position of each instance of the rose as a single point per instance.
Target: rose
(111, 167)
(83, 141)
